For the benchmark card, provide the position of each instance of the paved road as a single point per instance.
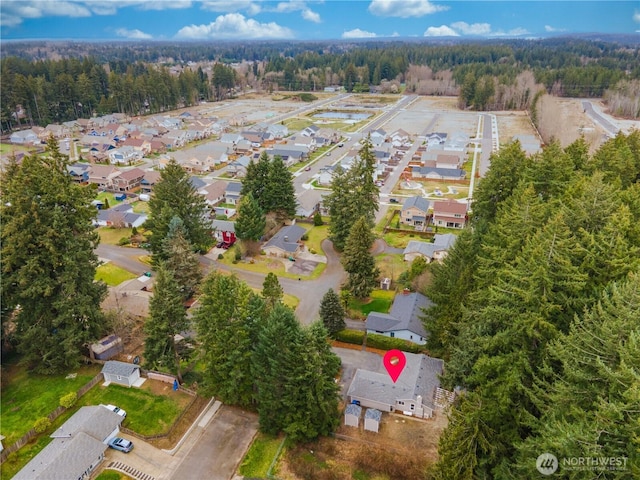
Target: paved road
(599, 119)
(216, 453)
(125, 257)
(486, 146)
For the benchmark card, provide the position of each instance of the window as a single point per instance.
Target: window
(400, 403)
(411, 337)
(413, 406)
(392, 334)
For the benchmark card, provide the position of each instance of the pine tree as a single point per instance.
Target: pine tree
(279, 195)
(48, 261)
(358, 261)
(272, 290)
(181, 261)
(255, 180)
(224, 324)
(167, 318)
(251, 222)
(175, 196)
(332, 313)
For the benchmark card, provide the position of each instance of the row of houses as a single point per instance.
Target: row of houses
(418, 212)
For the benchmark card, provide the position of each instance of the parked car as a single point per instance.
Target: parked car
(393, 200)
(307, 168)
(220, 244)
(115, 409)
(341, 144)
(121, 444)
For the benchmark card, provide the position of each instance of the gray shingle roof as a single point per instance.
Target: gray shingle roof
(292, 233)
(373, 414)
(440, 242)
(419, 377)
(418, 202)
(405, 315)
(224, 225)
(352, 409)
(441, 172)
(123, 369)
(234, 187)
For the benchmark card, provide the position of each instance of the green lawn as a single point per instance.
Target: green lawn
(110, 197)
(113, 275)
(258, 459)
(297, 124)
(14, 462)
(27, 397)
(316, 236)
(140, 207)
(9, 148)
(379, 301)
(112, 475)
(391, 265)
(111, 236)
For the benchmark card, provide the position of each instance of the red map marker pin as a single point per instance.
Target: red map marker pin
(394, 361)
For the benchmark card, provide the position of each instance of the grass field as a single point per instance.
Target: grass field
(316, 236)
(258, 459)
(390, 265)
(112, 475)
(378, 301)
(9, 148)
(111, 236)
(113, 275)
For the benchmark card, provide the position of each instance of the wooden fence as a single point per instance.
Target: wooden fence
(22, 441)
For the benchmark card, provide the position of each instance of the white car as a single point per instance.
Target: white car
(115, 409)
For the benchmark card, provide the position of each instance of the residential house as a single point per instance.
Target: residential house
(413, 393)
(231, 138)
(436, 139)
(151, 177)
(377, 137)
(403, 321)
(122, 373)
(448, 161)
(457, 142)
(435, 173)
(372, 420)
(326, 175)
(224, 231)
(79, 172)
(415, 212)
(278, 131)
(131, 296)
(310, 131)
(399, 138)
(286, 242)
(309, 202)
(232, 193)
(450, 214)
(77, 447)
(24, 137)
(141, 145)
(214, 193)
(289, 154)
(306, 143)
(352, 415)
(178, 138)
(197, 183)
(121, 216)
(128, 180)
(430, 251)
(243, 147)
(103, 176)
(124, 155)
(58, 131)
(258, 139)
(238, 168)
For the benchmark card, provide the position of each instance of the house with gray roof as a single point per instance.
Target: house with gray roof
(415, 211)
(412, 394)
(285, 243)
(77, 447)
(290, 154)
(436, 173)
(122, 373)
(403, 321)
(430, 251)
(232, 193)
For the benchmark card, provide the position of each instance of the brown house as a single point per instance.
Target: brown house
(449, 214)
(128, 180)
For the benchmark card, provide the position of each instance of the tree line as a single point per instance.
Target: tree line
(536, 313)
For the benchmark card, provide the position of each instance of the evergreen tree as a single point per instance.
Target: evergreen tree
(224, 325)
(255, 180)
(332, 313)
(358, 261)
(251, 222)
(48, 261)
(175, 196)
(279, 195)
(167, 318)
(181, 261)
(272, 290)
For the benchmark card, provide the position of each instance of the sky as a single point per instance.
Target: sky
(191, 20)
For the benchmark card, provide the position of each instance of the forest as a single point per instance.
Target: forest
(93, 79)
(536, 314)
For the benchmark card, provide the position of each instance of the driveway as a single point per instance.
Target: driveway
(220, 448)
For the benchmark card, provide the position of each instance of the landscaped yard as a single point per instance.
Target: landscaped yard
(378, 301)
(390, 265)
(111, 236)
(110, 197)
(261, 454)
(113, 275)
(316, 236)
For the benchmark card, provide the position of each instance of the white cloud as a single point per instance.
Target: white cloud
(133, 34)
(404, 8)
(473, 29)
(441, 31)
(357, 33)
(514, 32)
(236, 26)
(395, 34)
(294, 6)
(636, 16)
(550, 29)
(229, 6)
(311, 16)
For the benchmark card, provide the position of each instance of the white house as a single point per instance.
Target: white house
(430, 251)
(24, 137)
(404, 319)
(122, 373)
(124, 155)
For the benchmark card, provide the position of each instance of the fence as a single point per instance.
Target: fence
(146, 438)
(22, 441)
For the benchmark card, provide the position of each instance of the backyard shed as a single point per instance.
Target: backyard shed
(106, 347)
(372, 420)
(352, 415)
(121, 373)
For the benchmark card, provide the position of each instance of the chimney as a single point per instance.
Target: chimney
(406, 291)
(286, 238)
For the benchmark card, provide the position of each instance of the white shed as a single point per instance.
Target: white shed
(121, 373)
(372, 419)
(352, 415)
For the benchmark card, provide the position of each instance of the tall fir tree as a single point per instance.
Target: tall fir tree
(358, 261)
(272, 290)
(181, 261)
(48, 261)
(175, 196)
(279, 193)
(167, 318)
(250, 223)
(224, 323)
(255, 180)
(332, 312)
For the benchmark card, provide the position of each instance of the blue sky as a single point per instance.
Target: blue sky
(309, 20)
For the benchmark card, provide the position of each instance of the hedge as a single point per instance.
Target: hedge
(383, 342)
(350, 336)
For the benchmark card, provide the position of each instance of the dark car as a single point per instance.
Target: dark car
(121, 444)
(393, 200)
(220, 244)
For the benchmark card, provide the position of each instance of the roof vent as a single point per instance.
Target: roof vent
(286, 238)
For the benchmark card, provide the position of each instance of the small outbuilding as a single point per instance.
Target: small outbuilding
(106, 347)
(352, 415)
(122, 373)
(372, 420)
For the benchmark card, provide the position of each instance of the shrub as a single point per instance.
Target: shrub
(387, 343)
(134, 231)
(317, 219)
(42, 424)
(220, 256)
(124, 241)
(350, 336)
(305, 237)
(312, 251)
(68, 400)
(238, 253)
